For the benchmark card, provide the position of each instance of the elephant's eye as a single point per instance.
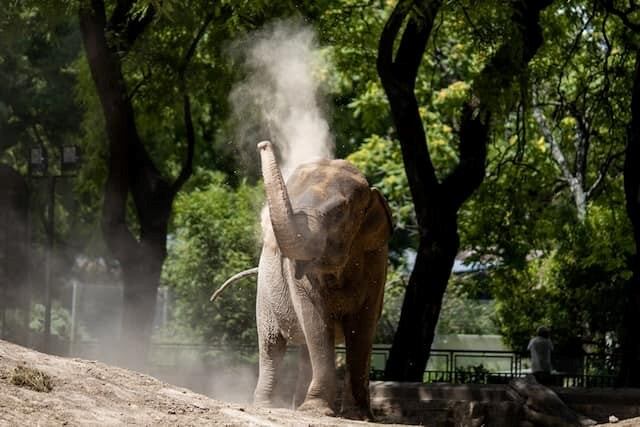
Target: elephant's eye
(336, 214)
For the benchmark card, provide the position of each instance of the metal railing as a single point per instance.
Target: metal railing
(499, 367)
(449, 366)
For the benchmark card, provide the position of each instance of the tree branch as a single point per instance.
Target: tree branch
(136, 26)
(145, 77)
(581, 143)
(576, 182)
(96, 11)
(120, 127)
(622, 14)
(193, 46)
(118, 18)
(595, 187)
(187, 165)
(414, 40)
(574, 47)
(468, 174)
(556, 152)
(387, 38)
(126, 26)
(496, 77)
(398, 76)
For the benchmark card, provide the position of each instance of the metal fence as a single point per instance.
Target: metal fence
(499, 367)
(448, 366)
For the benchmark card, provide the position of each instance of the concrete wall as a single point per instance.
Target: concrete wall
(444, 405)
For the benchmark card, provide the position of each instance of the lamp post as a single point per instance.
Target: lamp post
(39, 168)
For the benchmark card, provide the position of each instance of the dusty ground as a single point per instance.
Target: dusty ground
(633, 422)
(92, 393)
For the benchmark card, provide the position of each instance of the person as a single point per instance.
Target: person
(541, 347)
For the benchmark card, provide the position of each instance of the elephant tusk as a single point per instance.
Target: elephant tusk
(232, 279)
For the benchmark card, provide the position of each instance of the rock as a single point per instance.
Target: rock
(542, 406)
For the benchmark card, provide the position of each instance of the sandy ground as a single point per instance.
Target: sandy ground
(632, 422)
(89, 393)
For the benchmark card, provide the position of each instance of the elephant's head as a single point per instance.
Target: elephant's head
(325, 209)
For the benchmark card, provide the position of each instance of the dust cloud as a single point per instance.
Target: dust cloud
(280, 98)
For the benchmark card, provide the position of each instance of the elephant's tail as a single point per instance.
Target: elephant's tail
(232, 279)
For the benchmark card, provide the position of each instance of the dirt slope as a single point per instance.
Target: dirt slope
(91, 393)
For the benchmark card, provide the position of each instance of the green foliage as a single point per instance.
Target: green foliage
(466, 308)
(392, 304)
(475, 374)
(545, 266)
(576, 288)
(37, 49)
(465, 311)
(522, 221)
(380, 160)
(549, 266)
(91, 176)
(60, 320)
(217, 237)
(350, 30)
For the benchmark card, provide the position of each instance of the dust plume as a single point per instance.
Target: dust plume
(280, 98)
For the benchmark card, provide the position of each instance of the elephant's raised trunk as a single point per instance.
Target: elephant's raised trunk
(291, 231)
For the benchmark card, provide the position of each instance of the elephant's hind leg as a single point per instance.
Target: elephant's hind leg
(272, 349)
(304, 376)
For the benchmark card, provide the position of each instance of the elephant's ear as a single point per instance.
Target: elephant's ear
(377, 226)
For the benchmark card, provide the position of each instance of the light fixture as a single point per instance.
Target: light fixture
(38, 161)
(69, 157)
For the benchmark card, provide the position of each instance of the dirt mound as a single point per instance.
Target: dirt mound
(39, 389)
(632, 422)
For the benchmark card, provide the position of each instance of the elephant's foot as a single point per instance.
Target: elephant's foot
(357, 413)
(317, 406)
(261, 401)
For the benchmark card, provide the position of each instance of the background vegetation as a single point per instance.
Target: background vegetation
(547, 228)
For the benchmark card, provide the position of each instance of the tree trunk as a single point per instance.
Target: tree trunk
(630, 334)
(437, 203)
(438, 247)
(139, 302)
(575, 181)
(421, 308)
(131, 172)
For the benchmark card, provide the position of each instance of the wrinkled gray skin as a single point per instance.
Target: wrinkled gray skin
(320, 280)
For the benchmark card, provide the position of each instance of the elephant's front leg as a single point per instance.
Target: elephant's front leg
(319, 336)
(272, 347)
(360, 328)
(271, 343)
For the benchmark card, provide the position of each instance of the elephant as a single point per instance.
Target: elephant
(321, 280)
